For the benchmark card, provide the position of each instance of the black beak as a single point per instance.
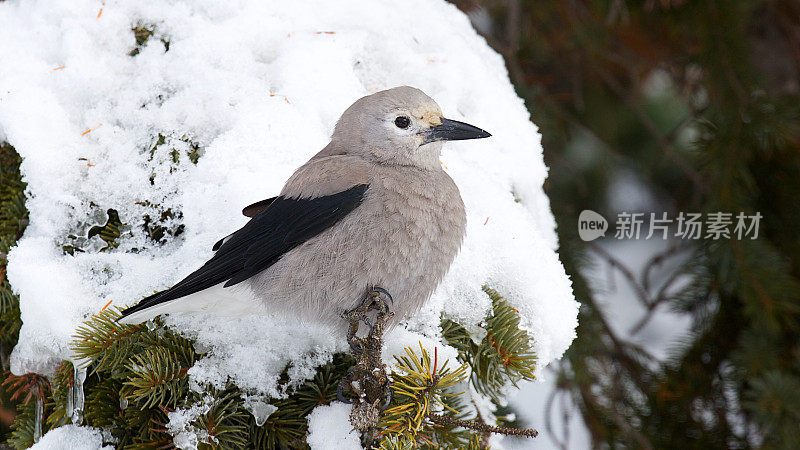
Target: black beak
(453, 130)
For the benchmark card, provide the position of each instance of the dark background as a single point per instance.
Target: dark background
(669, 106)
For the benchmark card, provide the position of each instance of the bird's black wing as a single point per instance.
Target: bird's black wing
(282, 226)
(257, 207)
(248, 211)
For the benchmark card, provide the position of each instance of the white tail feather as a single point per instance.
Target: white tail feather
(215, 300)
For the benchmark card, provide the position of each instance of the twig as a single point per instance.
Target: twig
(481, 427)
(548, 421)
(640, 290)
(659, 258)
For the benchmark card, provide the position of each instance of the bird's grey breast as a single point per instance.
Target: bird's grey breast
(420, 229)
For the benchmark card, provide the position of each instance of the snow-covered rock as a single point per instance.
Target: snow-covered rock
(257, 88)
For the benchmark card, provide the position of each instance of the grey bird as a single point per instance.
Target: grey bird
(373, 208)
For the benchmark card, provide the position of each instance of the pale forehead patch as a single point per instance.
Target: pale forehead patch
(430, 114)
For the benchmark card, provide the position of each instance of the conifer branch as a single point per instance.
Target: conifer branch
(105, 341)
(504, 356)
(157, 378)
(30, 385)
(480, 426)
(141, 376)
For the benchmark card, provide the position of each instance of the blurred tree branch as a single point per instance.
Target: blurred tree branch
(700, 101)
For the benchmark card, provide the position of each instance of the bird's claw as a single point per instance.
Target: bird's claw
(356, 348)
(389, 394)
(378, 299)
(380, 290)
(340, 393)
(382, 298)
(368, 323)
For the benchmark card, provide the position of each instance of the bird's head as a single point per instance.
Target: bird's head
(399, 126)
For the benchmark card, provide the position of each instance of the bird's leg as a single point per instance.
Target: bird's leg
(378, 387)
(375, 393)
(353, 317)
(375, 300)
(356, 343)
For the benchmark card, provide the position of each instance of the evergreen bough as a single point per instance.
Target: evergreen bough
(138, 375)
(13, 220)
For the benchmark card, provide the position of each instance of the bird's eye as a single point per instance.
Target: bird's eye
(402, 122)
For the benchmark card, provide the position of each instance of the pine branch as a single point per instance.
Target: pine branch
(157, 378)
(284, 428)
(105, 341)
(512, 345)
(504, 356)
(321, 390)
(223, 423)
(419, 385)
(480, 427)
(22, 430)
(108, 232)
(29, 385)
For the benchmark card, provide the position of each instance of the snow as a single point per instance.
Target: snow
(185, 435)
(255, 360)
(258, 88)
(329, 427)
(72, 437)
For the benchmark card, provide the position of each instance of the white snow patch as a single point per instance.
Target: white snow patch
(397, 339)
(258, 87)
(253, 351)
(329, 427)
(184, 434)
(72, 437)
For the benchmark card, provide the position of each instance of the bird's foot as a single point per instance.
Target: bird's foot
(374, 393)
(353, 318)
(377, 300)
(356, 347)
(345, 384)
(382, 298)
(358, 314)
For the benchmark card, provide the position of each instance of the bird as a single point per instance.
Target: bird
(374, 209)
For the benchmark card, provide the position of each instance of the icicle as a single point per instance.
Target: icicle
(70, 402)
(261, 411)
(123, 403)
(37, 427)
(80, 377)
